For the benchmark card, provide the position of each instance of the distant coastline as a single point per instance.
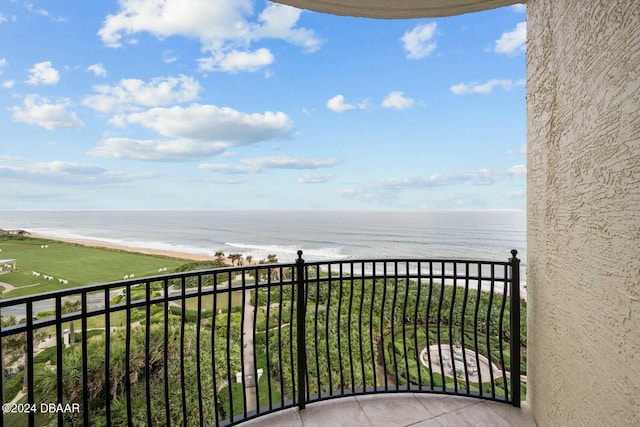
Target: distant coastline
(140, 250)
(321, 235)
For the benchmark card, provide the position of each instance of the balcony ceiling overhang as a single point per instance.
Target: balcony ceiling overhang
(398, 8)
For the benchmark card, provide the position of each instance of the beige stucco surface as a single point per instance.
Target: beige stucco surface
(583, 112)
(398, 8)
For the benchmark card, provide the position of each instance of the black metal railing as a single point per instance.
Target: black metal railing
(227, 345)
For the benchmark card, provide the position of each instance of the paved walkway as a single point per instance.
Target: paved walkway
(247, 353)
(400, 410)
(7, 287)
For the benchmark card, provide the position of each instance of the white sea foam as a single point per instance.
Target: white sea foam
(288, 253)
(153, 245)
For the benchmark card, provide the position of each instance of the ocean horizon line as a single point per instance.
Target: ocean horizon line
(265, 210)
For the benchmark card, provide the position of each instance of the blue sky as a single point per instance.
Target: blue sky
(239, 104)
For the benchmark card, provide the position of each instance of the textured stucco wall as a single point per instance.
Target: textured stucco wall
(583, 109)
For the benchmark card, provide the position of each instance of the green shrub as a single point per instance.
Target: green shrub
(200, 265)
(48, 355)
(237, 408)
(48, 313)
(116, 300)
(90, 334)
(190, 315)
(13, 386)
(138, 314)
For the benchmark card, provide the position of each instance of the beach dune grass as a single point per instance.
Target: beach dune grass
(79, 265)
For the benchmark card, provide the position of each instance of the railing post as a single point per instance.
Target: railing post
(515, 328)
(301, 308)
(28, 364)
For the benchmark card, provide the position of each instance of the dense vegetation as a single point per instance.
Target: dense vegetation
(349, 323)
(359, 334)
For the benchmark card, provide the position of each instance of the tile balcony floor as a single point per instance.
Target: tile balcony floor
(400, 410)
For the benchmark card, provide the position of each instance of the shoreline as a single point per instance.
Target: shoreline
(187, 256)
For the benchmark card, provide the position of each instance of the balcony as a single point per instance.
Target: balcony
(428, 340)
(401, 410)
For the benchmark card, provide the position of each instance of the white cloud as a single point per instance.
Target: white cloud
(194, 132)
(398, 101)
(513, 42)
(485, 88)
(519, 8)
(43, 73)
(517, 170)
(60, 167)
(279, 21)
(39, 111)
(223, 27)
(4, 18)
(169, 57)
(419, 41)
(286, 162)
(235, 61)
(202, 19)
(516, 194)
(47, 169)
(388, 189)
(98, 70)
(7, 84)
(258, 164)
(68, 173)
(155, 150)
(209, 122)
(40, 11)
(338, 104)
(520, 150)
(131, 93)
(315, 178)
(225, 169)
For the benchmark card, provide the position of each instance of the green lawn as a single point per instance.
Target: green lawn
(222, 302)
(79, 265)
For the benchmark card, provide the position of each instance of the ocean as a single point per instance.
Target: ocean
(321, 235)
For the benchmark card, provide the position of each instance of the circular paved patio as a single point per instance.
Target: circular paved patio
(477, 368)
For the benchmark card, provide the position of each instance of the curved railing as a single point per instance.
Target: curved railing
(226, 345)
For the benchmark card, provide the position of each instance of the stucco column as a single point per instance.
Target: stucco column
(583, 278)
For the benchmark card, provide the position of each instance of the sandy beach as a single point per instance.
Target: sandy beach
(148, 251)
